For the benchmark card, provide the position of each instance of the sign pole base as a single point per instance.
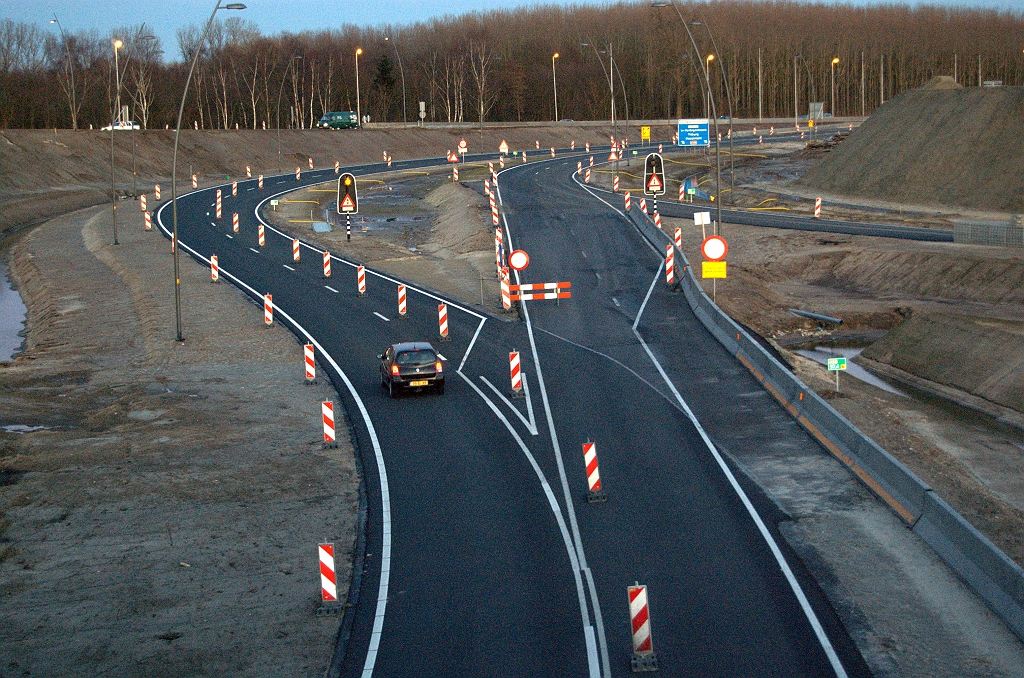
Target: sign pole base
(348, 227)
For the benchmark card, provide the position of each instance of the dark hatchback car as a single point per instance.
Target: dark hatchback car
(411, 365)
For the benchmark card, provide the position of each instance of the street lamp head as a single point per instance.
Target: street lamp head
(234, 5)
(555, 56)
(117, 43)
(53, 21)
(835, 61)
(710, 58)
(359, 50)
(660, 3)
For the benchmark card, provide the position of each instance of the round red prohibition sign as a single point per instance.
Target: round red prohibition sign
(518, 260)
(714, 248)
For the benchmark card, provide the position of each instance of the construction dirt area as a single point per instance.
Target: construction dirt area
(165, 520)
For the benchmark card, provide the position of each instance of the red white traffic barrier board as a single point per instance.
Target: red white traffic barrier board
(310, 362)
(538, 291)
(670, 265)
(385, 155)
(259, 181)
(234, 188)
(298, 173)
(506, 293)
(149, 222)
(327, 264)
(517, 377)
(524, 156)
(234, 222)
(361, 280)
(401, 300)
(498, 245)
(679, 238)
(218, 204)
(640, 619)
(327, 410)
(142, 202)
(594, 491)
(328, 578)
(629, 201)
(214, 269)
(586, 177)
(442, 320)
(248, 172)
(156, 191)
(268, 309)
(817, 208)
(771, 131)
(615, 183)
(195, 181)
(295, 249)
(263, 240)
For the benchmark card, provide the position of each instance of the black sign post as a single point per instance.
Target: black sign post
(348, 201)
(654, 177)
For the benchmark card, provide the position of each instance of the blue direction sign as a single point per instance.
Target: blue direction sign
(694, 132)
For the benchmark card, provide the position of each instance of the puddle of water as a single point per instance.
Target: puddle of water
(12, 318)
(821, 354)
(22, 428)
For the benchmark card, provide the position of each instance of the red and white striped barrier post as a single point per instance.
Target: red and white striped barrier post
(506, 293)
(487, 188)
(591, 161)
(817, 208)
(455, 175)
(524, 156)
(327, 409)
(328, 578)
(361, 280)
(337, 167)
(501, 162)
(657, 218)
(195, 181)
(643, 205)
(295, 249)
(660, 150)
(643, 658)
(259, 181)
(615, 184)
(670, 265)
(760, 138)
(517, 377)
(771, 131)
(536, 143)
(298, 173)
(594, 492)
(629, 201)
(214, 269)
(248, 172)
(579, 166)
(311, 163)
(588, 147)
(149, 222)
(679, 238)
(682, 192)
(268, 310)
(498, 245)
(172, 243)
(142, 202)
(234, 222)
(310, 363)
(234, 188)
(263, 240)
(494, 212)
(552, 151)
(401, 301)
(327, 264)
(572, 145)
(442, 321)
(219, 212)
(586, 177)
(156, 191)
(389, 161)
(801, 136)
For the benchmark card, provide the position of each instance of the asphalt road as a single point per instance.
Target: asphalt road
(482, 556)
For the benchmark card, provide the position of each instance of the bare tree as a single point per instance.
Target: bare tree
(480, 60)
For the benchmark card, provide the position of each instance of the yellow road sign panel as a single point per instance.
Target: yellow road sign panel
(645, 133)
(712, 269)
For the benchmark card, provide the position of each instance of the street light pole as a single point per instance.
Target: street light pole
(610, 74)
(401, 70)
(359, 111)
(174, 167)
(113, 193)
(280, 90)
(835, 60)
(71, 72)
(796, 105)
(554, 80)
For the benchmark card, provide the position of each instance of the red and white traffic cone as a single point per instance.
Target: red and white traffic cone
(195, 181)
(248, 172)
(679, 238)
(234, 188)
(643, 658)
(817, 208)
(327, 409)
(615, 184)
(310, 363)
(142, 202)
(586, 177)
(401, 301)
(156, 191)
(295, 249)
(219, 212)
(234, 222)
(298, 173)
(327, 264)
(214, 269)
(629, 201)
(268, 310)
(517, 377)
(361, 280)
(259, 181)
(442, 321)
(670, 267)
(263, 240)
(506, 294)
(594, 492)
(328, 579)
(149, 222)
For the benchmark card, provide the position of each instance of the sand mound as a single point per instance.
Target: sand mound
(942, 82)
(934, 145)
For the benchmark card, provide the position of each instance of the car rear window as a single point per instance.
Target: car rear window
(421, 357)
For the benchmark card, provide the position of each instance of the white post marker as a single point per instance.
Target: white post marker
(214, 269)
(268, 310)
(361, 280)
(643, 658)
(327, 410)
(517, 377)
(156, 191)
(442, 321)
(594, 492)
(149, 222)
(310, 363)
(295, 249)
(234, 222)
(328, 578)
(142, 202)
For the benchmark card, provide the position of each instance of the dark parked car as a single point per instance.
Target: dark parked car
(411, 365)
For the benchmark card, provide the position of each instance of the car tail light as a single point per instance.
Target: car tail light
(394, 370)
(437, 366)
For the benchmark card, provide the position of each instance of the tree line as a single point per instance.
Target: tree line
(498, 65)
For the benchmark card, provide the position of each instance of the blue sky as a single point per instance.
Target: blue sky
(275, 16)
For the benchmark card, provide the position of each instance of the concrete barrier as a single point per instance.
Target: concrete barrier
(986, 569)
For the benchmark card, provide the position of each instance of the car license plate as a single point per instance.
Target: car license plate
(422, 382)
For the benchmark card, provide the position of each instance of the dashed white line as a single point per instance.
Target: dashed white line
(251, 249)
(616, 302)
(332, 289)
(384, 318)
(288, 267)
(229, 236)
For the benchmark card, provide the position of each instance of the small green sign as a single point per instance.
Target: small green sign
(836, 364)
(274, 203)
(691, 191)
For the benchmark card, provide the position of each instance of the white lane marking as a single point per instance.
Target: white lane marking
(592, 659)
(819, 631)
(254, 250)
(530, 424)
(382, 474)
(229, 236)
(584, 253)
(384, 318)
(332, 289)
(441, 357)
(616, 302)
(476, 334)
(288, 267)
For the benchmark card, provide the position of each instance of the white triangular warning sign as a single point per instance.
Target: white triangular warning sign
(654, 185)
(347, 203)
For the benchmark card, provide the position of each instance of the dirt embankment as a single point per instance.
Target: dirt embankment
(960, 147)
(166, 524)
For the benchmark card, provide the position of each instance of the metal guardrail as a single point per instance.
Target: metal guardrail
(980, 563)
